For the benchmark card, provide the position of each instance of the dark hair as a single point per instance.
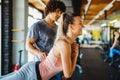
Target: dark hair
(68, 19)
(53, 5)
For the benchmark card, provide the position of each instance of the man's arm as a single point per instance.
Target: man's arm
(30, 48)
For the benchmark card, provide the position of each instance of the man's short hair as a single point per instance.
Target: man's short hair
(53, 5)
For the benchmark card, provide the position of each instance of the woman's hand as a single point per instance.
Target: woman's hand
(74, 50)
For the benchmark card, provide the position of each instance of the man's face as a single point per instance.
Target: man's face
(55, 15)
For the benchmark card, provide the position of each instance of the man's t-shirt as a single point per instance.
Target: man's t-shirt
(43, 34)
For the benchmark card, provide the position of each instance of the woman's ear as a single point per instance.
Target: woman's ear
(71, 26)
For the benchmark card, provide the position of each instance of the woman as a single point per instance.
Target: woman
(116, 44)
(115, 49)
(62, 56)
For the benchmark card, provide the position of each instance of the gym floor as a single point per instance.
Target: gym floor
(94, 68)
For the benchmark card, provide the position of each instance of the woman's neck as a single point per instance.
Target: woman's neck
(71, 37)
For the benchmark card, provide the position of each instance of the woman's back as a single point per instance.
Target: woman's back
(53, 63)
(51, 66)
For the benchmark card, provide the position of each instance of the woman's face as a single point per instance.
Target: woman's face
(77, 25)
(116, 34)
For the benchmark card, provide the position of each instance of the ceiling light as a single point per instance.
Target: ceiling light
(113, 21)
(96, 16)
(110, 5)
(104, 24)
(42, 3)
(87, 6)
(100, 13)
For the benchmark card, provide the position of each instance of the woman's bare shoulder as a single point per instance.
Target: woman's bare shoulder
(62, 46)
(62, 42)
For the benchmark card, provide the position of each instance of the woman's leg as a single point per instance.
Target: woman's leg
(7, 75)
(11, 76)
(113, 51)
(26, 72)
(111, 55)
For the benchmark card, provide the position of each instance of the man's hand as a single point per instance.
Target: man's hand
(42, 55)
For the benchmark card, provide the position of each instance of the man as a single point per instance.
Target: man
(42, 34)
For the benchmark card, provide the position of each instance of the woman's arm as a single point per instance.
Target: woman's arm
(115, 41)
(67, 57)
(74, 55)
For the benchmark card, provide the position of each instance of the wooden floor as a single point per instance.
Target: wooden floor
(94, 68)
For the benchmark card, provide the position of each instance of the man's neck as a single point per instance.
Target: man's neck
(50, 22)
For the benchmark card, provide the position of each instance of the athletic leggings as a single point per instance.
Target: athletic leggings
(26, 72)
(113, 51)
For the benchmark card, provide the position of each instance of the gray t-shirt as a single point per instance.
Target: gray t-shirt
(43, 34)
